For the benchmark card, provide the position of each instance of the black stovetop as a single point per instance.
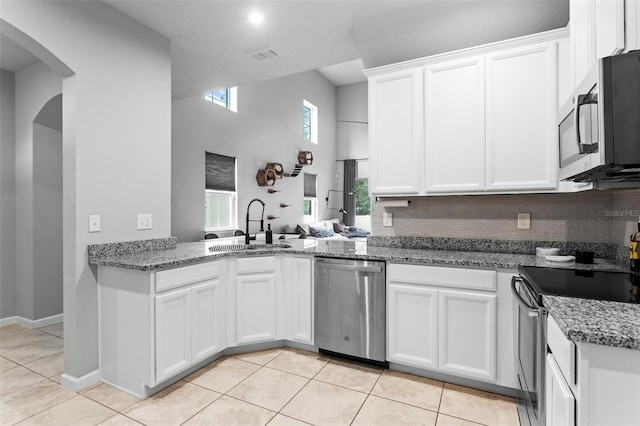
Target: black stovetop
(597, 285)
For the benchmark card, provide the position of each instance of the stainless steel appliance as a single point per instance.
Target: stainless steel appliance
(529, 287)
(531, 326)
(350, 307)
(599, 126)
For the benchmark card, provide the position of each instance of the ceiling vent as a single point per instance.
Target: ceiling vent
(262, 54)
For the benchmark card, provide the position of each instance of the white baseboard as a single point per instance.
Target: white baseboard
(78, 383)
(42, 322)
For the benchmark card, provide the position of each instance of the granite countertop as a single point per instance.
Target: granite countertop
(187, 253)
(581, 320)
(596, 321)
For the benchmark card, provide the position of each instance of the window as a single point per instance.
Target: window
(221, 201)
(309, 122)
(226, 98)
(363, 201)
(310, 214)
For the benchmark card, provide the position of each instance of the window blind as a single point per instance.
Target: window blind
(220, 172)
(310, 185)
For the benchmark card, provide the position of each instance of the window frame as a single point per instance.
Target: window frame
(231, 102)
(313, 218)
(233, 211)
(313, 122)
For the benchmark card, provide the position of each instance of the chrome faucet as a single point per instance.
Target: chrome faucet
(247, 238)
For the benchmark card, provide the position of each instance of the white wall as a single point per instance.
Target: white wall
(47, 220)
(266, 128)
(35, 86)
(116, 141)
(7, 196)
(352, 121)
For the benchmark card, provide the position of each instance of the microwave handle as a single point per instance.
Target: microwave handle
(589, 98)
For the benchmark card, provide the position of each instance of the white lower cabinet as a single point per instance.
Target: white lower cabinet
(173, 333)
(412, 323)
(590, 384)
(256, 308)
(189, 326)
(436, 320)
(298, 290)
(468, 334)
(560, 404)
(256, 299)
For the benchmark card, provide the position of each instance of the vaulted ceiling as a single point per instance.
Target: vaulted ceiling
(210, 39)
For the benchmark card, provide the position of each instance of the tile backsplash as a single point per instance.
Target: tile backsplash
(592, 216)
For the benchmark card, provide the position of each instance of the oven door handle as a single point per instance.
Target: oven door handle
(531, 311)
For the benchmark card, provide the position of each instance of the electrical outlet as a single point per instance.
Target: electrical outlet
(524, 220)
(94, 223)
(387, 219)
(144, 221)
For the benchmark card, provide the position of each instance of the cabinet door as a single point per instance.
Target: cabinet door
(208, 318)
(560, 403)
(395, 133)
(454, 126)
(256, 307)
(173, 333)
(609, 27)
(522, 151)
(468, 334)
(412, 325)
(582, 30)
(302, 301)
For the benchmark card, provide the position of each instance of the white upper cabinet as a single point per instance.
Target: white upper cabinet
(597, 30)
(455, 126)
(396, 133)
(522, 152)
(489, 122)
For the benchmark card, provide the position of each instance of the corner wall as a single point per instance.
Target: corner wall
(266, 128)
(116, 139)
(35, 86)
(7, 196)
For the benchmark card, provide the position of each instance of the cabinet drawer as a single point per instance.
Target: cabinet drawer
(442, 276)
(245, 265)
(563, 349)
(178, 277)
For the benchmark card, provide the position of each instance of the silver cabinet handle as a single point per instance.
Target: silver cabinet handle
(531, 311)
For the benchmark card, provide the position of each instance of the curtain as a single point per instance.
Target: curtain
(349, 201)
(220, 172)
(309, 185)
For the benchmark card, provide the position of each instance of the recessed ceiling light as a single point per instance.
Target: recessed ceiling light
(256, 17)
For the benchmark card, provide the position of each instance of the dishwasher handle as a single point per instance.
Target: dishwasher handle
(351, 268)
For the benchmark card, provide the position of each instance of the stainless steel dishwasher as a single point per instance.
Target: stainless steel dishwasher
(350, 307)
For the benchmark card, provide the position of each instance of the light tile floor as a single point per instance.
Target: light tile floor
(276, 387)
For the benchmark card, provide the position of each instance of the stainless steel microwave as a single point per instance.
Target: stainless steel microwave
(599, 127)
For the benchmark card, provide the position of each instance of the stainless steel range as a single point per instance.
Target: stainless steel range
(531, 321)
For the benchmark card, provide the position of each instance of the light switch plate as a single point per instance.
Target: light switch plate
(387, 219)
(94, 223)
(144, 221)
(524, 220)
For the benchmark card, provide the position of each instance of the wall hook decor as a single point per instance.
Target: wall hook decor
(266, 177)
(295, 172)
(277, 168)
(273, 191)
(305, 158)
(285, 205)
(271, 217)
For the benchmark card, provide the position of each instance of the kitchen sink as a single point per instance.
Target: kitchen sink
(246, 247)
